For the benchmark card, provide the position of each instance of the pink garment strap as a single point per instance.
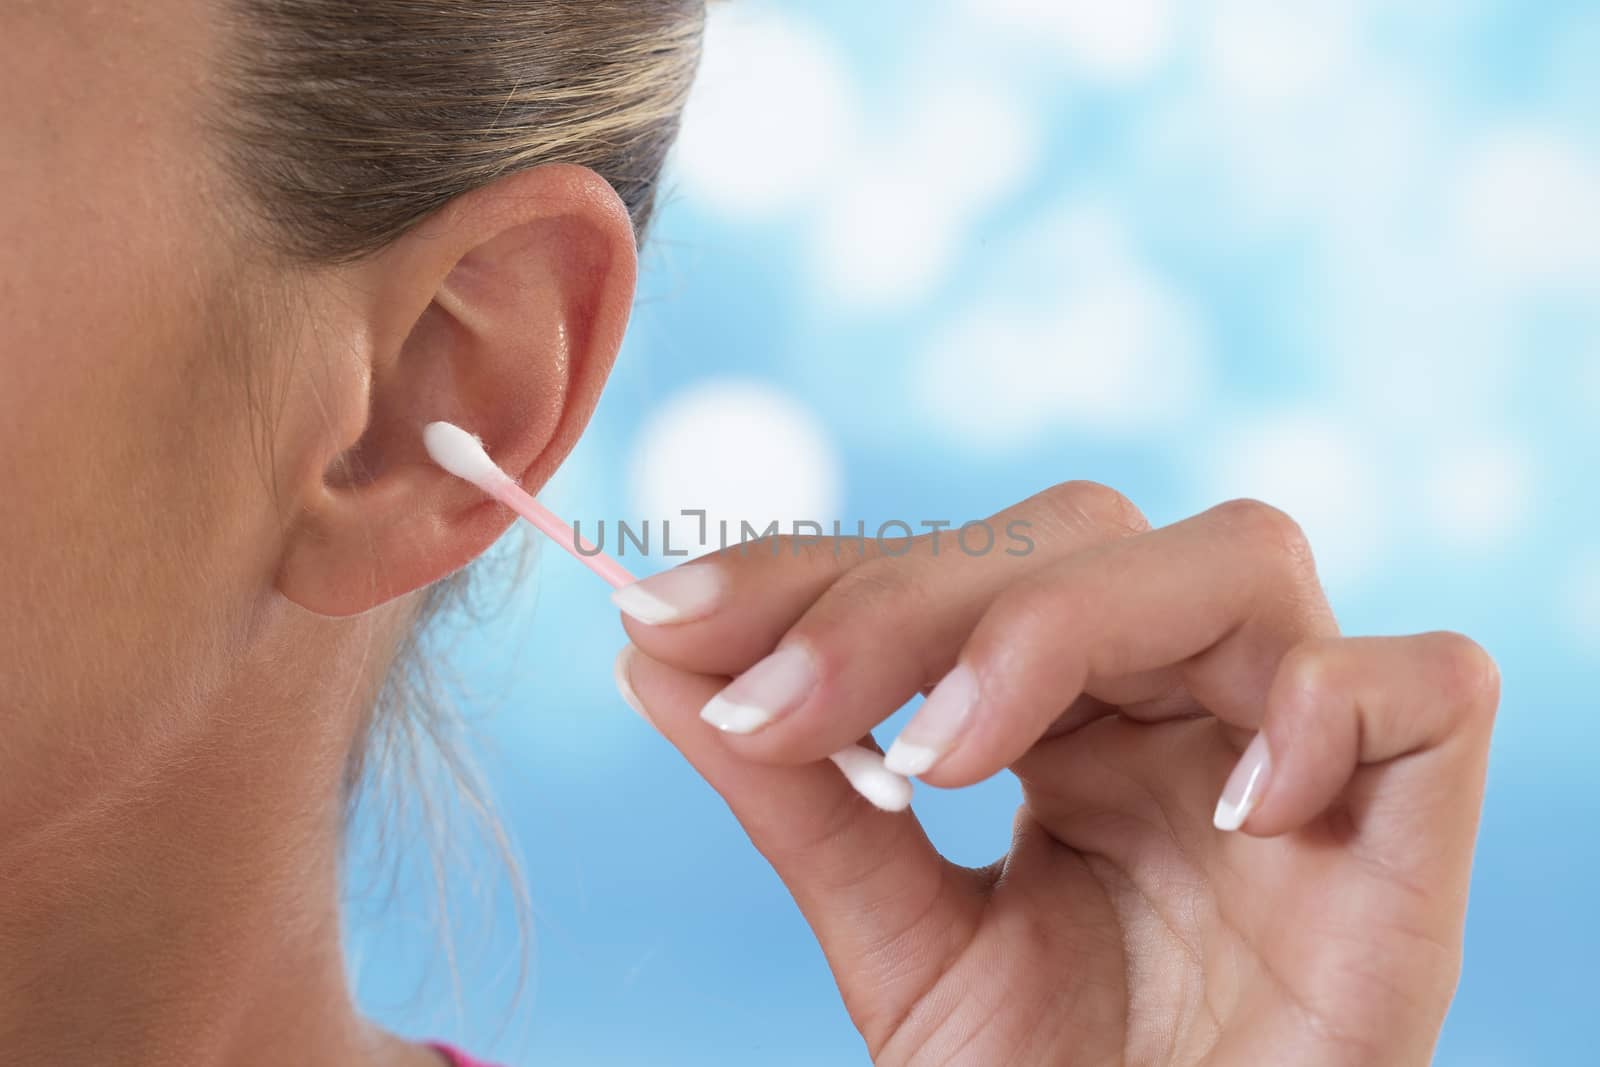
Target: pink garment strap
(455, 1056)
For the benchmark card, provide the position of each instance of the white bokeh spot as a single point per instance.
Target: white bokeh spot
(1272, 54)
(1112, 43)
(981, 379)
(742, 451)
(892, 225)
(772, 114)
(1526, 208)
(884, 240)
(973, 141)
(1480, 494)
(1104, 346)
(1318, 470)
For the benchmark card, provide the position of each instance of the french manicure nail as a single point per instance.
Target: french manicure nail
(620, 671)
(680, 595)
(934, 728)
(773, 686)
(1242, 793)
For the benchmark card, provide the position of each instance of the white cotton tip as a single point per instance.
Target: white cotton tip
(462, 454)
(864, 770)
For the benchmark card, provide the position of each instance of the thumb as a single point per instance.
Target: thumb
(889, 911)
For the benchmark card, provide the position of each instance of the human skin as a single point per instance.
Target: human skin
(1120, 672)
(201, 602)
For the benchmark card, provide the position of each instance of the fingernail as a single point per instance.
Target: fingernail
(933, 729)
(680, 595)
(620, 671)
(1245, 785)
(777, 684)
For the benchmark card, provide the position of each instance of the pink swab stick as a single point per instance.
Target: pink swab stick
(463, 455)
(471, 462)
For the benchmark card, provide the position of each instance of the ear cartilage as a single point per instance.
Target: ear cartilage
(463, 455)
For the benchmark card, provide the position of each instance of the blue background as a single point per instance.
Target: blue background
(919, 261)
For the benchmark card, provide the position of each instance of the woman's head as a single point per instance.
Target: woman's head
(249, 248)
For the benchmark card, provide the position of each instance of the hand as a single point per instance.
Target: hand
(1120, 672)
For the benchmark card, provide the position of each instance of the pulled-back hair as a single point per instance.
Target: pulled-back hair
(349, 121)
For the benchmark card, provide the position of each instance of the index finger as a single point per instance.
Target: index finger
(722, 613)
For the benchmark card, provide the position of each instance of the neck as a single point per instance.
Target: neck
(183, 909)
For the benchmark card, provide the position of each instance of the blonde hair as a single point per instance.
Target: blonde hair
(350, 122)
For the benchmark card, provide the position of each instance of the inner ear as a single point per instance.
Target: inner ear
(493, 351)
(523, 301)
(421, 382)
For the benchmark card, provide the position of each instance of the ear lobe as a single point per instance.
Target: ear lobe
(524, 298)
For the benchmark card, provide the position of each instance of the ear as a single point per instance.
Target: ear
(503, 314)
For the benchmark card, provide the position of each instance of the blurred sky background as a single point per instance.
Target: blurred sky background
(921, 260)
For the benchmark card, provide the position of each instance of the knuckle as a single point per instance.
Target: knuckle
(746, 552)
(873, 586)
(1094, 505)
(815, 553)
(1470, 676)
(1270, 527)
(808, 553)
(1037, 618)
(1023, 606)
(863, 600)
(1308, 668)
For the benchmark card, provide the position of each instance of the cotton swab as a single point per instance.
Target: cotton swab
(463, 455)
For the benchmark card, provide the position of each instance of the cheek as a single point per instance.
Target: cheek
(127, 540)
(134, 530)
(135, 534)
